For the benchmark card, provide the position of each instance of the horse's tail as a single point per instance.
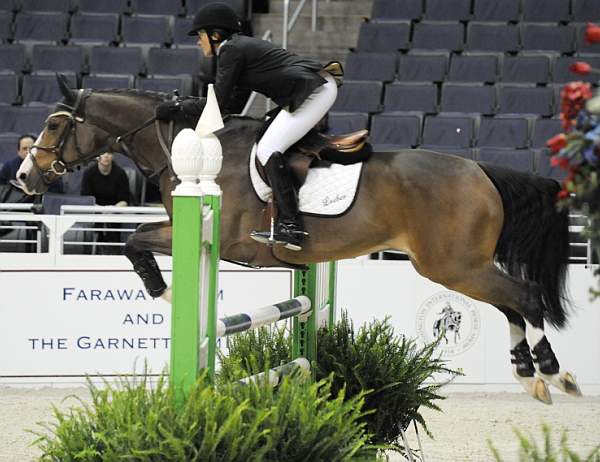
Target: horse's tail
(534, 243)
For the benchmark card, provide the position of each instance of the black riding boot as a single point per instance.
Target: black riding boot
(288, 228)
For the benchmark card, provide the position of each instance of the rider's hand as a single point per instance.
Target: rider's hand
(167, 110)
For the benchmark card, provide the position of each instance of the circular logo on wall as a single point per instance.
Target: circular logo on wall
(451, 316)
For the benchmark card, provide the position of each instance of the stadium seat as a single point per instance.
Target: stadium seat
(496, 10)
(9, 87)
(469, 98)
(72, 181)
(503, 132)
(5, 26)
(448, 10)
(8, 5)
(466, 153)
(358, 97)
(182, 83)
(545, 169)
(180, 37)
(43, 88)
(526, 69)
(98, 29)
(516, 159)
(111, 60)
(545, 10)
(239, 6)
(8, 145)
(29, 119)
(12, 57)
(473, 68)
(581, 45)
(383, 36)
(41, 27)
(172, 61)
(586, 10)
(438, 35)
(103, 82)
(422, 67)
(403, 96)
(524, 99)
(543, 130)
(145, 29)
(57, 58)
(395, 9)
(562, 74)
(347, 123)
(157, 7)
(52, 202)
(56, 6)
(498, 37)
(391, 132)
(371, 66)
(454, 130)
(549, 37)
(103, 6)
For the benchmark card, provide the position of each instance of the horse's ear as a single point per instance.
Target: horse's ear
(63, 84)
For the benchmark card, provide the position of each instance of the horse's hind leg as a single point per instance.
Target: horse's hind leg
(148, 238)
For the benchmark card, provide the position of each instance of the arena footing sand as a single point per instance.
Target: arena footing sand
(460, 432)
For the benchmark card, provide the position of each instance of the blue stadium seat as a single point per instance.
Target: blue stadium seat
(562, 74)
(586, 10)
(98, 29)
(56, 6)
(182, 83)
(543, 130)
(545, 10)
(41, 27)
(57, 58)
(526, 69)
(180, 37)
(103, 82)
(422, 67)
(346, 123)
(103, 6)
(12, 57)
(29, 119)
(503, 132)
(383, 36)
(8, 145)
(392, 132)
(438, 35)
(111, 60)
(525, 99)
(454, 130)
(466, 153)
(516, 159)
(545, 169)
(157, 7)
(473, 68)
(6, 33)
(496, 10)
(52, 202)
(174, 61)
(469, 98)
(448, 10)
(500, 37)
(403, 96)
(239, 6)
(8, 5)
(9, 87)
(549, 37)
(371, 66)
(42, 88)
(358, 97)
(145, 29)
(397, 9)
(581, 45)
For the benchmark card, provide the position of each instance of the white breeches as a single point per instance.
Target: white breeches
(287, 128)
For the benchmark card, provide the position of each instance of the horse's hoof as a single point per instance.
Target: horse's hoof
(536, 387)
(167, 295)
(564, 381)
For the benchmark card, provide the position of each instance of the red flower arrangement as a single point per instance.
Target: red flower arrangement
(581, 68)
(556, 143)
(573, 97)
(592, 33)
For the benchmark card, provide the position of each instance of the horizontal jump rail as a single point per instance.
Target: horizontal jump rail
(277, 373)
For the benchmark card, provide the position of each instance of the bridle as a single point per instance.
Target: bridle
(76, 115)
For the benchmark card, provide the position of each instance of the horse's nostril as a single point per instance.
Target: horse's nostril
(23, 176)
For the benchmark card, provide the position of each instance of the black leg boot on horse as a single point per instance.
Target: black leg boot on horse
(287, 230)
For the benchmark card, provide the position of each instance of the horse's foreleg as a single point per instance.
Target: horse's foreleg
(148, 238)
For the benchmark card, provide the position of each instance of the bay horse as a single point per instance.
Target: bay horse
(487, 232)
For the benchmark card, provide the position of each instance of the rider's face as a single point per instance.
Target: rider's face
(204, 43)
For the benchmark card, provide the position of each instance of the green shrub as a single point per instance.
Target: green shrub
(529, 451)
(298, 421)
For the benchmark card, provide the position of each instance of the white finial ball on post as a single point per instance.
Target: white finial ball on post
(187, 161)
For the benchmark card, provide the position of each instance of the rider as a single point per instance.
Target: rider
(300, 87)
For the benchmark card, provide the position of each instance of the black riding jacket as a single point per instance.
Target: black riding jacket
(255, 64)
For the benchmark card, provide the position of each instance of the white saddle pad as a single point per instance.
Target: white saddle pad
(326, 191)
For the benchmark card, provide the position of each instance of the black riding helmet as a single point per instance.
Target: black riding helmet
(216, 16)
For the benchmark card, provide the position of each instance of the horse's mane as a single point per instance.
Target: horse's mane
(156, 95)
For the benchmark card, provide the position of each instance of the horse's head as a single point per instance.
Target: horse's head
(67, 140)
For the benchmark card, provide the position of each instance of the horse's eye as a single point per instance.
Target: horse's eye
(52, 126)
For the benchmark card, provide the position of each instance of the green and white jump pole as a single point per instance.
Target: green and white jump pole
(197, 158)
